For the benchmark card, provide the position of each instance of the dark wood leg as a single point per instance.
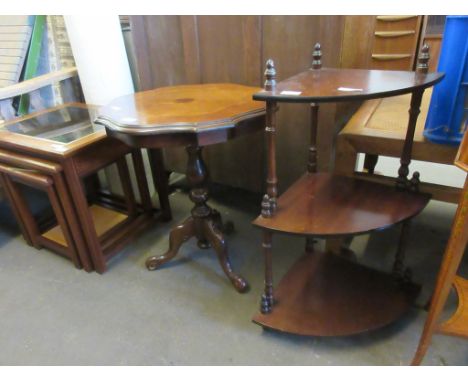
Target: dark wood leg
(77, 193)
(23, 212)
(161, 181)
(205, 224)
(142, 182)
(25, 226)
(62, 222)
(267, 297)
(370, 161)
(309, 247)
(124, 175)
(177, 237)
(402, 181)
(73, 221)
(226, 228)
(217, 241)
(399, 270)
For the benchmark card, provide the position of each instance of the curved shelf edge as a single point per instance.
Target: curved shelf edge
(325, 295)
(326, 205)
(181, 128)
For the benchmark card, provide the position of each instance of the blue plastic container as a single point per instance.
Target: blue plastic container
(448, 111)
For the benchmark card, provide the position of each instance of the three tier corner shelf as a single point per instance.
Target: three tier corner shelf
(324, 294)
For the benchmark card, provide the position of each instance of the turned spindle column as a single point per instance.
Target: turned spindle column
(312, 161)
(403, 182)
(269, 199)
(399, 270)
(314, 109)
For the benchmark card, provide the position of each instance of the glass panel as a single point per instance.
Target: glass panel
(64, 125)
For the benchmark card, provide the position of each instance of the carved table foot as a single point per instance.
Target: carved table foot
(178, 236)
(215, 237)
(205, 223)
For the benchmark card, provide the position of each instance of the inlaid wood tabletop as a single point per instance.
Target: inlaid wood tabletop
(184, 109)
(334, 85)
(193, 116)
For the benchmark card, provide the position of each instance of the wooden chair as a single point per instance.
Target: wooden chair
(457, 325)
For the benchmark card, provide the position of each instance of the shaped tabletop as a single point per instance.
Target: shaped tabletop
(184, 109)
(333, 85)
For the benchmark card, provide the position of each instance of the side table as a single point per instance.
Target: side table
(193, 116)
(323, 294)
(60, 151)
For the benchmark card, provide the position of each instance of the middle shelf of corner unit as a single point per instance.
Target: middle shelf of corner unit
(323, 204)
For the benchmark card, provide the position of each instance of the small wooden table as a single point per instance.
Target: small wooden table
(60, 150)
(193, 116)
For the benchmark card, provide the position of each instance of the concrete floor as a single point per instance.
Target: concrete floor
(187, 313)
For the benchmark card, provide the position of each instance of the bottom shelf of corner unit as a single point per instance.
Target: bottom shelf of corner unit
(326, 295)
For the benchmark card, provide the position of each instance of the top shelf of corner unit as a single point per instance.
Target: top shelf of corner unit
(334, 85)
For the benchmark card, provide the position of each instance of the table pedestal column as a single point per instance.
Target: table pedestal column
(204, 224)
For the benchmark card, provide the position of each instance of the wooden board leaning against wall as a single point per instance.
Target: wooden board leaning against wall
(171, 50)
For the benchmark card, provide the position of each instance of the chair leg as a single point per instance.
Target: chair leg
(370, 161)
(161, 181)
(453, 254)
(77, 193)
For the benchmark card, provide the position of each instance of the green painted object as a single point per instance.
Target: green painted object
(32, 60)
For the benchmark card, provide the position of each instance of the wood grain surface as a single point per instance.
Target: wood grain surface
(183, 108)
(313, 300)
(335, 85)
(325, 205)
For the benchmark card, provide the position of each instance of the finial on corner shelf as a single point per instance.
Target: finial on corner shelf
(270, 75)
(317, 57)
(423, 60)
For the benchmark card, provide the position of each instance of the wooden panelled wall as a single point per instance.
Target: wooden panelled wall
(173, 50)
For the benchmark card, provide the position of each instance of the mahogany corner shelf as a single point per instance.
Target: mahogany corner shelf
(322, 204)
(323, 294)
